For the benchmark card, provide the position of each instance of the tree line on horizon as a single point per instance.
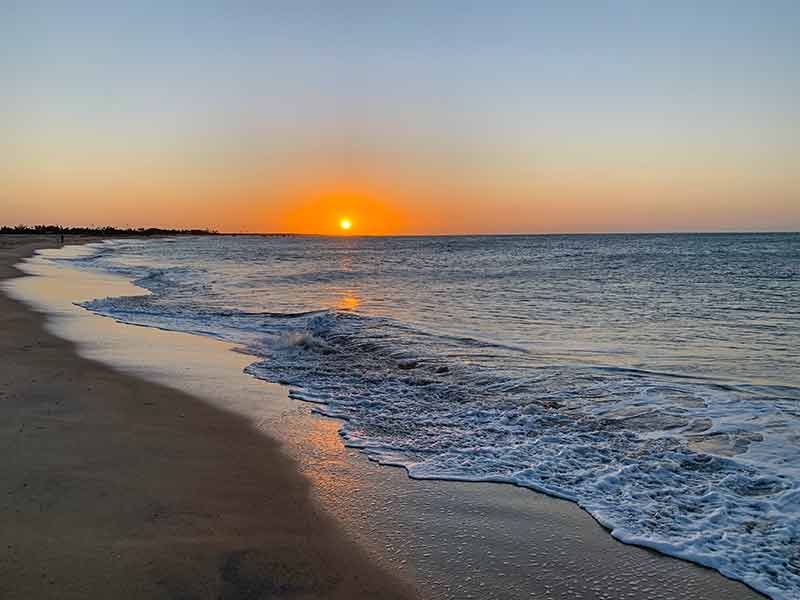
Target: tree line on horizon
(104, 231)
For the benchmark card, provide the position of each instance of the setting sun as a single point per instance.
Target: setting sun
(345, 224)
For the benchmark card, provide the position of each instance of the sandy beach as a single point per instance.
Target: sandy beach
(114, 487)
(148, 465)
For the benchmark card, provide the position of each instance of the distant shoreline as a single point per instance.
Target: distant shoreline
(99, 231)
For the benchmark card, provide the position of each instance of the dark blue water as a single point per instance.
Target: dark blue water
(653, 379)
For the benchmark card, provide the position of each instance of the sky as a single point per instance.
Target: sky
(404, 117)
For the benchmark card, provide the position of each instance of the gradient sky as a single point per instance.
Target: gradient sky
(407, 117)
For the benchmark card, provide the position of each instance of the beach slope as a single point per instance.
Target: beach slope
(114, 487)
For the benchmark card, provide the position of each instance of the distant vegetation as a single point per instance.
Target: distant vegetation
(100, 231)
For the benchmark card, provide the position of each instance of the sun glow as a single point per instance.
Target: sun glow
(331, 207)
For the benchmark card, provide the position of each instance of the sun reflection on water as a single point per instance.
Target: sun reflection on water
(348, 301)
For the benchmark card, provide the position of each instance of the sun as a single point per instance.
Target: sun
(345, 224)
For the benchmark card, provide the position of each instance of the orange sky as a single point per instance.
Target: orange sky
(537, 119)
(306, 194)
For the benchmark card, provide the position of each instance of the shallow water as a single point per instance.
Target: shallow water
(652, 379)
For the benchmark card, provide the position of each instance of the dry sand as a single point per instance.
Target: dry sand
(114, 487)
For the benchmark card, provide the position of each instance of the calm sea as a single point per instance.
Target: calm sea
(653, 379)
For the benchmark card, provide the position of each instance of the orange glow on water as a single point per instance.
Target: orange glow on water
(349, 301)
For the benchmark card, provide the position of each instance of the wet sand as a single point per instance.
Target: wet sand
(116, 487)
(453, 540)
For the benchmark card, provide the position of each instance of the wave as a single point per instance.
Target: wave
(607, 441)
(696, 468)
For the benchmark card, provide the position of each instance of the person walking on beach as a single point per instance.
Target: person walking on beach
(61, 232)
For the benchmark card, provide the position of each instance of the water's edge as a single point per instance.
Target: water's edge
(297, 394)
(381, 456)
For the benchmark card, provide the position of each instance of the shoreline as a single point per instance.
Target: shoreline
(105, 496)
(493, 541)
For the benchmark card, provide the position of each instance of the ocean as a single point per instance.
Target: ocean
(652, 379)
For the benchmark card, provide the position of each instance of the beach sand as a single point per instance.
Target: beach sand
(221, 442)
(115, 487)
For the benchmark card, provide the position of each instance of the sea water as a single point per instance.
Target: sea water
(652, 379)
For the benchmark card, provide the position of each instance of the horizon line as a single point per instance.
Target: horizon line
(212, 231)
(519, 234)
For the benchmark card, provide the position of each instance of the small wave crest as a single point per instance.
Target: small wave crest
(304, 340)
